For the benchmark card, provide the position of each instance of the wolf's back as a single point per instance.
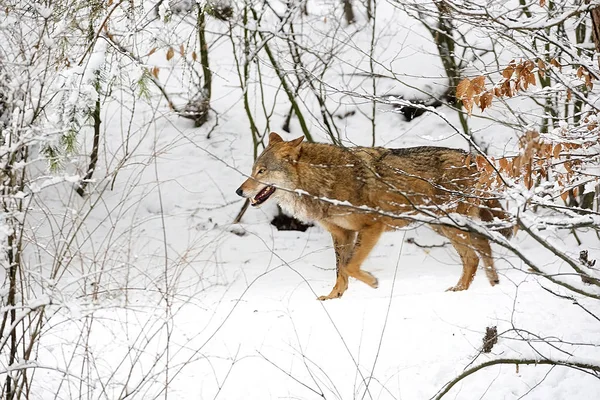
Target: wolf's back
(435, 163)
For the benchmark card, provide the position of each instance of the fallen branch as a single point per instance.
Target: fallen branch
(517, 362)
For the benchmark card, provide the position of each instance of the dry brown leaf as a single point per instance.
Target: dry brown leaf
(510, 168)
(569, 94)
(170, 53)
(564, 196)
(503, 162)
(517, 162)
(556, 150)
(519, 70)
(556, 64)
(155, 71)
(529, 176)
(485, 180)
(461, 89)
(540, 162)
(541, 65)
(194, 56)
(468, 161)
(588, 81)
(485, 100)
(481, 161)
(468, 104)
(182, 50)
(568, 167)
(545, 151)
(542, 3)
(507, 89)
(152, 51)
(529, 65)
(508, 71)
(478, 84)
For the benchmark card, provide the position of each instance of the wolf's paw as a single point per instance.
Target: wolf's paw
(457, 288)
(330, 296)
(495, 282)
(374, 282)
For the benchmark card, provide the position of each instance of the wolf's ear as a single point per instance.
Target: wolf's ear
(274, 138)
(294, 148)
(296, 142)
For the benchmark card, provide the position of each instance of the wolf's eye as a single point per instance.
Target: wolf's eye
(260, 171)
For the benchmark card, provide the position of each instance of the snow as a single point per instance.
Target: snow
(262, 323)
(45, 12)
(95, 62)
(158, 286)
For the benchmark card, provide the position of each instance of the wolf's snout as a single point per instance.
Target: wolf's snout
(240, 192)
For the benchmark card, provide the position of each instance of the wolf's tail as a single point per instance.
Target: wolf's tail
(493, 209)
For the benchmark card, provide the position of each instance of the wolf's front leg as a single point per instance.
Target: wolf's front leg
(341, 284)
(343, 243)
(367, 239)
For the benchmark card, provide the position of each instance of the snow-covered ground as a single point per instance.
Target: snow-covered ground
(193, 307)
(243, 323)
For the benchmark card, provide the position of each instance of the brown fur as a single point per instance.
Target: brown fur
(332, 185)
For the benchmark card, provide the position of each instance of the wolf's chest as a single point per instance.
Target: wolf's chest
(297, 206)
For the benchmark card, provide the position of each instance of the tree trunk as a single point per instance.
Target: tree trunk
(595, 14)
(348, 12)
(94, 155)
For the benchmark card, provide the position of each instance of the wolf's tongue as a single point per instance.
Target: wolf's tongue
(263, 195)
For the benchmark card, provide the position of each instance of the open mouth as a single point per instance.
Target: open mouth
(262, 196)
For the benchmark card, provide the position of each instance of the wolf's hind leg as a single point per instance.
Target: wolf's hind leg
(482, 247)
(365, 241)
(343, 243)
(462, 243)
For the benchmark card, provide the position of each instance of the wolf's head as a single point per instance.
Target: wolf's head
(275, 167)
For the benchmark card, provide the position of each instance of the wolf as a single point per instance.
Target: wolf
(357, 193)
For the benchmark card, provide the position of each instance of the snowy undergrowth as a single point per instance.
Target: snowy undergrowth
(162, 297)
